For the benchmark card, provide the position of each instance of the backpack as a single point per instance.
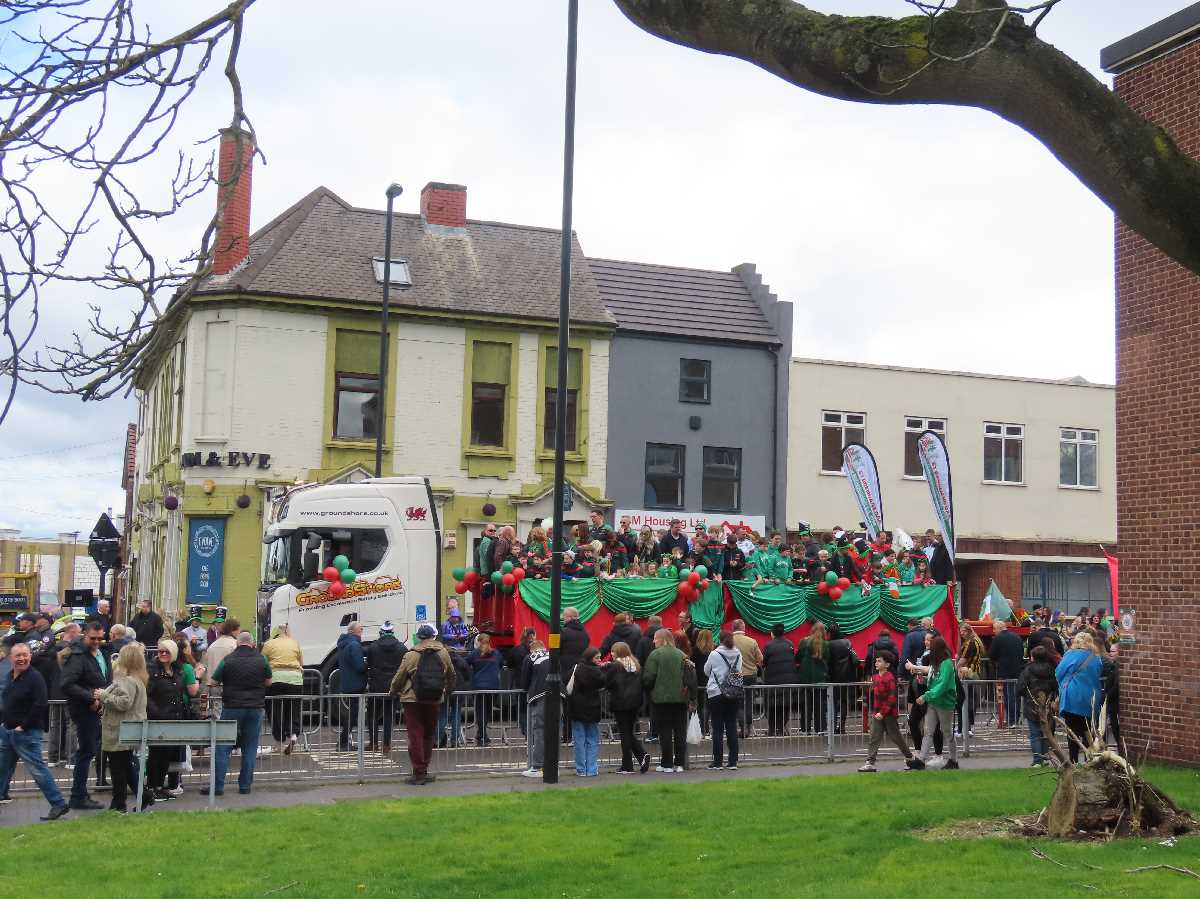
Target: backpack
(732, 686)
(429, 680)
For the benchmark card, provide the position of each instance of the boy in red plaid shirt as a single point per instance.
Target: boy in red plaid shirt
(884, 714)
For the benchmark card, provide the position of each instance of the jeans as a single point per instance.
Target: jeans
(420, 719)
(938, 719)
(587, 746)
(450, 711)
(1012, 704)
(537, 732)
(26, 745)
(1037, 740)
(631, 746)
(248, 728)
(670, 719)
(87, 732)
(724, 713)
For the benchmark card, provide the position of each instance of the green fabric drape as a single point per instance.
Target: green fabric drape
(708, 612)
(581, 594)
(641, 597)
(772, 604)
(914, 602)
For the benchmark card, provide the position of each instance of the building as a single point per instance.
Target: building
(44, 566)
(698, 386)
(1158, 416)
(267, 374)
(1033, 465)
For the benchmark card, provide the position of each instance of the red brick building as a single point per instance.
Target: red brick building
(1157, 72)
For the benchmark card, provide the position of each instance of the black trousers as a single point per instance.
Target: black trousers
(916, 727)
(671, 721)
(631, 746)
(778, 703)
(120, 765)
(1079, 727)
(380, 709)
(283, 708)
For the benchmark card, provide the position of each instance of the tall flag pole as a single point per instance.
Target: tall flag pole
(935, 463)
(858, 465)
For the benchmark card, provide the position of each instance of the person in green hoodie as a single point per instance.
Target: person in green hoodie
(671, 693)
(939, 699)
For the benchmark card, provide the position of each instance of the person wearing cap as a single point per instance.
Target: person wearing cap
(383, 661)
(214, 630)
(454, 632)
(420, 715)
(197, 635)
(286, 661)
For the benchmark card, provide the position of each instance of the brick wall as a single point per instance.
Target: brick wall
(1158, 431)
(232, 244)
(978, 575)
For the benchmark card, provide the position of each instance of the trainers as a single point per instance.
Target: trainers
(914, 764)
(731, 767)
(715, 766)
(950, 765)
(57, 812)
(868, 768)
(414, 781)
(661, 770)
(679, 769)
(645, 765)
(531, 772)
(178, 791)
(162, 795)
(5, 799)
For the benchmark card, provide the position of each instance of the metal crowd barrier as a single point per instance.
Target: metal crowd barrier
(342, 736)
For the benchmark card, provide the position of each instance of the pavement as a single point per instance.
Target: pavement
(27, 808)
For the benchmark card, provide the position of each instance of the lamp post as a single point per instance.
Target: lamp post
(394, 190)
(553, 680)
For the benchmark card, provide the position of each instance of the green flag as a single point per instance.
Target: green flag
(995, 604)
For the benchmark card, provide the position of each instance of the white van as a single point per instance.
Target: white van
(388, 530)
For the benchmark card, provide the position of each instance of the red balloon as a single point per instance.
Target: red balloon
(519, 573)
(693, 579)
(460, 587)
(508, 580)
(337, 589)
(704, 585)
(822, 588)
(843, 582)
(471, 579)
(835, 592)
(331, 574)
(683, 589)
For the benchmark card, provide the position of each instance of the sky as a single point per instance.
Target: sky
(922, 236)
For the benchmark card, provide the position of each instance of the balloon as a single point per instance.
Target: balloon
(702, 571)
(835, 592)
(693, 578)
(507, 579)
(506, 567)
(694, 595)
(340, 562)
(496, 575)
(458, 573)
(843, 582)
(330, 574)
(506, 588)
(704, 585)
(349, 575)
(683, 573)
(471, 578)
(683, 589)
(519, 573)
(460, 588)
(337, 589)
(822, 588)
(831, 578)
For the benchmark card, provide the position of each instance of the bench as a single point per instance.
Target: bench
(141, 735)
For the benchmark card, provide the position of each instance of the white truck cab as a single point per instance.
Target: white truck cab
(388, 530)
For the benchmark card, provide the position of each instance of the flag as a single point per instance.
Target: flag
(1113, 565)
(995, 605)
(858, 465)
(935, 462)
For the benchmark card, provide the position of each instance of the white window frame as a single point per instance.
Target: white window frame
(926, 424)
(1079, 437)
(842, 422)
(1006, 433)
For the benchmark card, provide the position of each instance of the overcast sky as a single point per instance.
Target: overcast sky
(919, 236)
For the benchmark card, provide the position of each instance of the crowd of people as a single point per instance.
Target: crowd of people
(598, 550)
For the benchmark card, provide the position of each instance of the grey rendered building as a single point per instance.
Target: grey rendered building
(698, 393)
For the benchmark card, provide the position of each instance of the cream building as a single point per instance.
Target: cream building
(1033, 466)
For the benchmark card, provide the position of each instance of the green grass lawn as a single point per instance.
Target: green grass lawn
(826, 836)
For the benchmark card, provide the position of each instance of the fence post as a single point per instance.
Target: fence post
(362, 721)
(965, 723)
(830, 721)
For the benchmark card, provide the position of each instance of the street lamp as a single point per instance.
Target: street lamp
(394, 190)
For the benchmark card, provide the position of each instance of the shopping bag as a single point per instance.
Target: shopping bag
(693, 729)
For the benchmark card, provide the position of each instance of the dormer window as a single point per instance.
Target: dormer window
(398, 276)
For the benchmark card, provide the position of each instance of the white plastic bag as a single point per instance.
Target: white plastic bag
(693, 730)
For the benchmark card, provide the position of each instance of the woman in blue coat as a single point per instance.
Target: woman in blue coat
(1079, 700)
(485, 664)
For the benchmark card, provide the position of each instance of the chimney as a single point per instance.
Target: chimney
(443, 206)
(232, 246)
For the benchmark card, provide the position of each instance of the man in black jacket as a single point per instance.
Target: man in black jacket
(941, 568)
(26, 710)
(244, 676)
(1007, 653)
(147, 624)
(673, 539)
(383, 661)
(733, 558)
(623, 631)
(779, 667)
(573, 642)
(84, 674)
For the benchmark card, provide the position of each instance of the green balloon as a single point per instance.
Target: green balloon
(349, 575)
(831, 578)
(506, 567)
(496, 576)
(458, 573)
(683, 573)
(702, 571)
(506, 588)
(340, 562)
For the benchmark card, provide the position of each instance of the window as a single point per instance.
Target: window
(398, 274)
(490, 370)
(302, 555)
(721, 490)
(356, 385)
(574, 360)
(1076, 457)
(1002, 452)
(913, 429)
(1065, 586)
(695, 381)
(664, 476)
(838, 429)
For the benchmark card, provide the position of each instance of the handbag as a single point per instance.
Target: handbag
(571, 682)
(694, 735)
(732, 686)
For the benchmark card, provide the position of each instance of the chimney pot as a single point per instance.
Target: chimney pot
(444, 205)
(234, 169)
